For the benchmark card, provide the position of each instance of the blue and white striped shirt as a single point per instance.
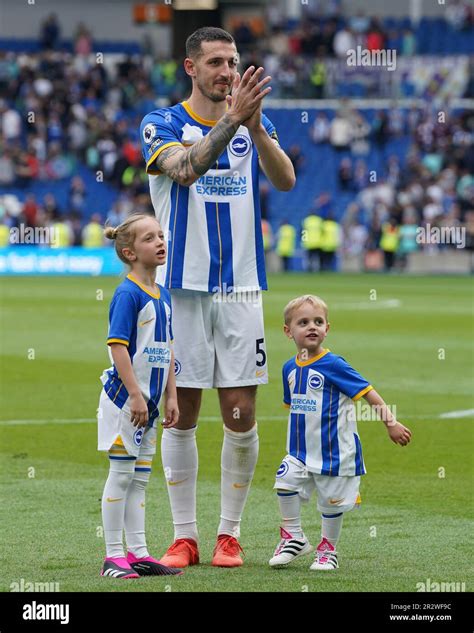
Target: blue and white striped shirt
(213, 227)
(140, 320)
(322, 428)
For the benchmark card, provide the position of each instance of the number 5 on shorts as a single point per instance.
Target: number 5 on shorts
(261, 352)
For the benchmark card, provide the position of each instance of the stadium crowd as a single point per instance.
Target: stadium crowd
(61, 110)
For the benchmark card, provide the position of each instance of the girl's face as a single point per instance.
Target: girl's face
(149, 247)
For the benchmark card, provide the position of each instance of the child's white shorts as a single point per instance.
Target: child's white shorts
(114, 422)
(335, 494)
(219, 340)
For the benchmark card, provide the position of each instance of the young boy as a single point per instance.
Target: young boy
(324, 450)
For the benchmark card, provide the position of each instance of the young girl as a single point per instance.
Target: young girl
(139, 343)
(324, 450)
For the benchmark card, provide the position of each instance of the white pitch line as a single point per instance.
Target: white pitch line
(457, 414)
(451, 415)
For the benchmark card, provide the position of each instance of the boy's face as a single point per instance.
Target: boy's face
(308, 327)
(149, 246)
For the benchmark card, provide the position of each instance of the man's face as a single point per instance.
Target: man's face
(215, 69)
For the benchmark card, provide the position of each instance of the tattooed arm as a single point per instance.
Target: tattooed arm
(186, 165)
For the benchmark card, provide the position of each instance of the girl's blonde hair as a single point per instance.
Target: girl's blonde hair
(125, 233)
(294, 304)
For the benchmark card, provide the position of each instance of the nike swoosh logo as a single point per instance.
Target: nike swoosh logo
(260, 373)
(142, 323)
(110, 500)
(175, 483)
(335, 502)
(241, 485)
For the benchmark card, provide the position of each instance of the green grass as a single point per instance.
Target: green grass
(422, 521)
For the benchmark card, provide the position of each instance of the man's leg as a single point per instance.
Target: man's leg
(238, 461)
(180, 464)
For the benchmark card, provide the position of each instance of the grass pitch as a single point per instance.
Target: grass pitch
(412, 339)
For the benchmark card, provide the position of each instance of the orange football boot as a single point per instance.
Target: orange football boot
(182, 553)
(227, 552)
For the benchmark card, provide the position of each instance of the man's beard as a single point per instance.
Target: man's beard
(216, 97)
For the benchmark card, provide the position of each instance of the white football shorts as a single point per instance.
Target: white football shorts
(114, 422)
(335, 494)
(219, 340)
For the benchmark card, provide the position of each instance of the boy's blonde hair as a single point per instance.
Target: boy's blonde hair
(125, 233)
(294, 304)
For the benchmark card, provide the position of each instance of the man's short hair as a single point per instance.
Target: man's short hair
(205, 34)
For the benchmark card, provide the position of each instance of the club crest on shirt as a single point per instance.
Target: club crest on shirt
(315, 381)
(138, 436)
(177, 367)
(240, 145)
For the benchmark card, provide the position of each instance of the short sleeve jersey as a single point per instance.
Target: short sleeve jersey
(213, 227)
(141, 321)
(322, 428)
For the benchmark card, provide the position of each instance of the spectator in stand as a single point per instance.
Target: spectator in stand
(243, 36)
(320, 129)
(375, 36)
(82, 40)
(340, 134)
(77, 195)
(327, 37)
(359, 23)
(344, 41)
(457, 14)
(50, 33)
(408, 47)
(380, 129)
(7, 167)
(361, 175)
(26, 169)
(407, 238)
(30, 210)
(345, 175)
(297, 157)
(10, 122)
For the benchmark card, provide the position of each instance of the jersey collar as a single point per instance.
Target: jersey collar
(135, 281)
(313, 359)
(196, 117)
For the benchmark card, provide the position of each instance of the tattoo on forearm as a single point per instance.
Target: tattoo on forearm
(182, 165)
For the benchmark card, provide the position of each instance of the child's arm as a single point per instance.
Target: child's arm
(138, 406)
(171, 405)
(397, 432)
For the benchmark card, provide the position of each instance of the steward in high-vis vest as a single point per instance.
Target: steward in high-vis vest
(311, 238)
(330, 242)
(93, 233)
(389, 242)
(286, 242)
(62, 235)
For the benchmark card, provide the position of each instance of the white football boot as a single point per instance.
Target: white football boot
(326, 557)
(288, 549)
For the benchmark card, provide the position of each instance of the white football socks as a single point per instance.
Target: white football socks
(290, 508)
(238, 461)
(180, 463)
(134, 520)
(331, 526)
(113, 504)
